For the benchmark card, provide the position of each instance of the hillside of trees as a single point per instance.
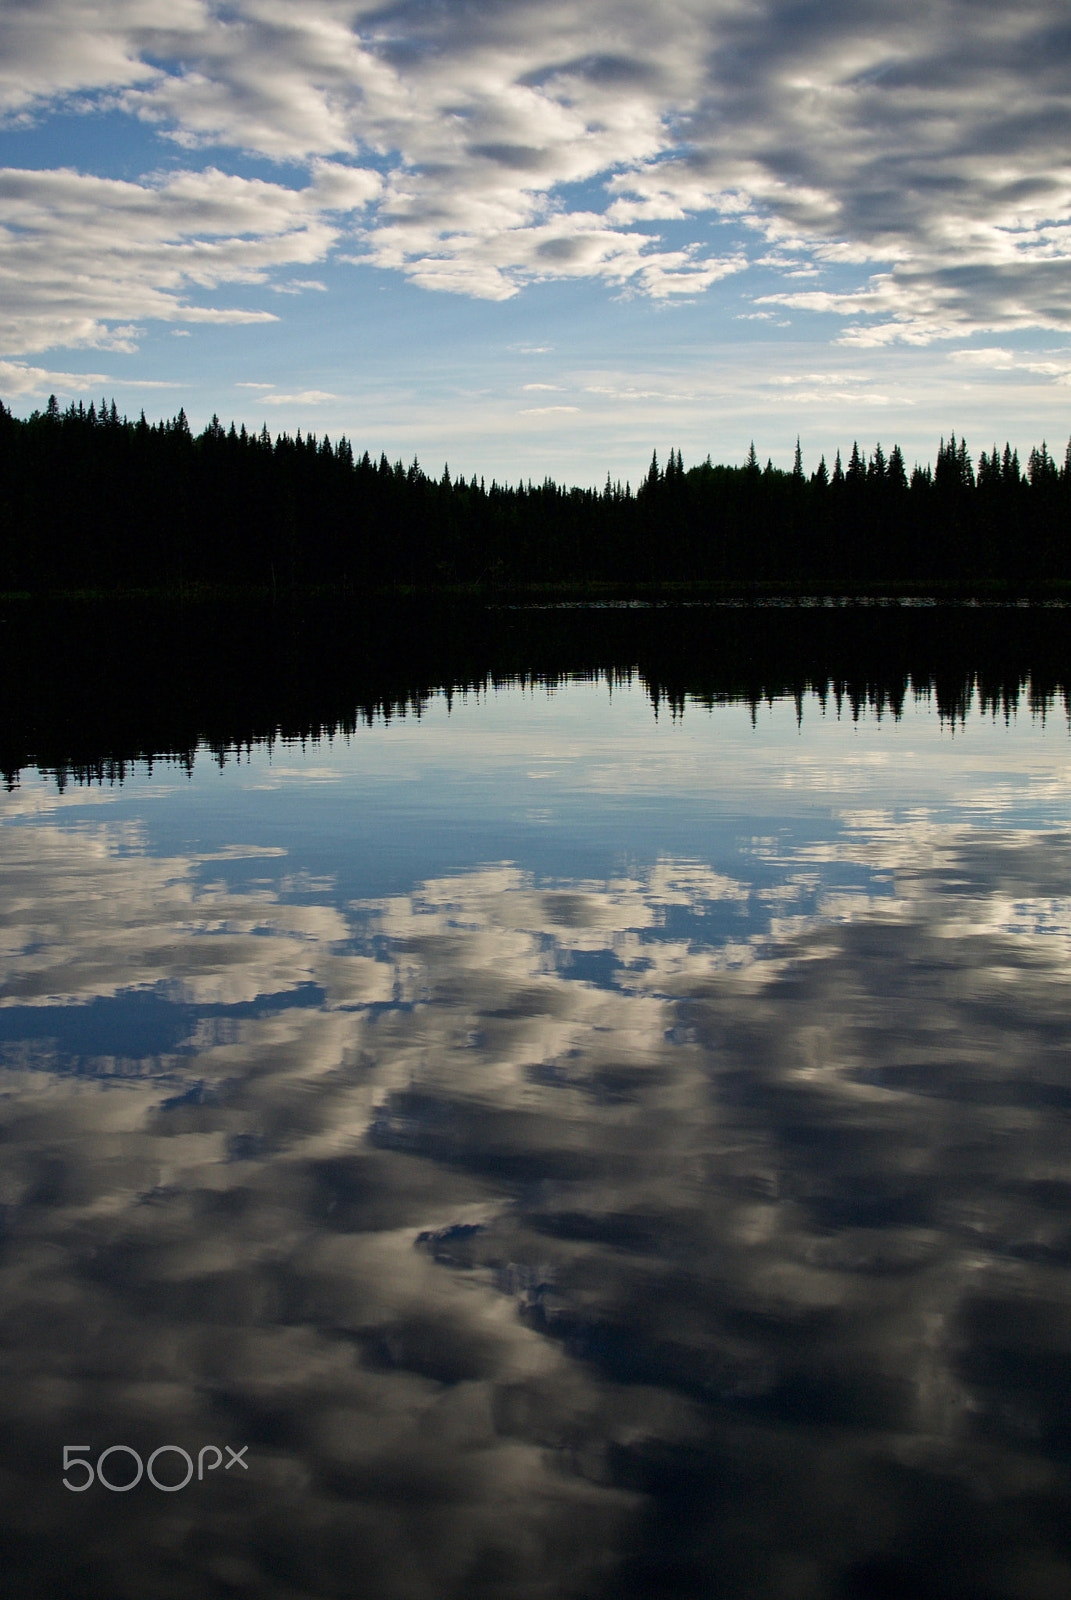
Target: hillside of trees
(91, 500)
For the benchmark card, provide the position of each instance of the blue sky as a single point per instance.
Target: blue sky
(545, 238)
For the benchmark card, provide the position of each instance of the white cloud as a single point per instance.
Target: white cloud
(1056, 366)
(80, 256)
(992, 359)
(825, 388)
(492, 250)
(18, 379)
(927, 143)
(628, 391)
(304, 397)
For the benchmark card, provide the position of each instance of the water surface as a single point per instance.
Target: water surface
(577, 1151)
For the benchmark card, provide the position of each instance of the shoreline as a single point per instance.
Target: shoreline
(812, 593)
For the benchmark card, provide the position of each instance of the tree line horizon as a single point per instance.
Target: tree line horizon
(91, 500)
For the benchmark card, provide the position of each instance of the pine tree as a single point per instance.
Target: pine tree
(988, 469)
(1041, 468)
(963, 465)
(1009, 466)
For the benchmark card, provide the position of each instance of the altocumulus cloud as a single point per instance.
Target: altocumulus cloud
(922, 150)
(81, 255)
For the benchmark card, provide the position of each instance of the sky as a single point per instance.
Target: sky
(545, 237)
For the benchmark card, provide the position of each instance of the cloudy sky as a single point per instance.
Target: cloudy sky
(549, 236)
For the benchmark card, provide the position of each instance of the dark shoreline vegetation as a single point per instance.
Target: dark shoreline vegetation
(95, 689)
(162, 593)
(90, 501)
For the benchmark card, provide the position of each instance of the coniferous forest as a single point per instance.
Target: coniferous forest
(92, 501)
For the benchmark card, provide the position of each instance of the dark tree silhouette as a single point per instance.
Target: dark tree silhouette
(92, 501)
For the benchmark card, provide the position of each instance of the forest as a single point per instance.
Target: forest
(91, 501)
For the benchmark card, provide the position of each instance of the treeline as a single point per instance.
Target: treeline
(91, 500)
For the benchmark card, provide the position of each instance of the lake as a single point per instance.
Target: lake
(589, 1132)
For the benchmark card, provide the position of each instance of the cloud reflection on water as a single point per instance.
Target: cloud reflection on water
(747, 1263)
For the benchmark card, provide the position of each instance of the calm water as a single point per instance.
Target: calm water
(575, 1152)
